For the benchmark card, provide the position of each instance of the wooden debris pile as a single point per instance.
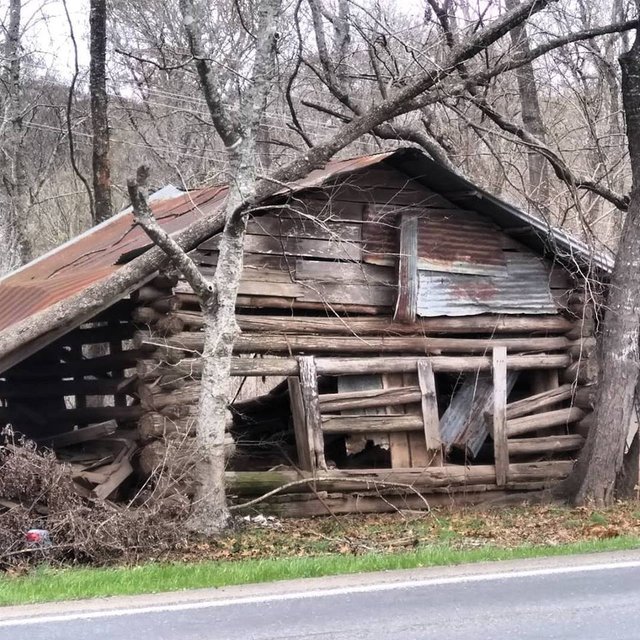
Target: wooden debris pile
(99, 455)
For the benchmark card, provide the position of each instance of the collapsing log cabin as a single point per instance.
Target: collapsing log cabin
(406, 338)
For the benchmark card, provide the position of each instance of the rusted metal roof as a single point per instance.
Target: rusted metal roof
(525, 289)
(96, 255)
(93, 256)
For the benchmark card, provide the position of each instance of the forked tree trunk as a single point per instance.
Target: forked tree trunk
(601, 461)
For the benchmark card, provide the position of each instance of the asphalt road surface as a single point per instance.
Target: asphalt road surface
(581, 597)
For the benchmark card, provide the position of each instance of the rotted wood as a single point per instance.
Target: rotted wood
(581, 329)
(407, 297)
(246, 343)
(145, 315)
(77, 436)
(547, 444)
(149, 293)
(154, 425)
(582, 372)
(165, 281)
(583, 348)
(150, 369)
(371, 424)
(166, 304)
(559, 417)
(168, 325)
(429, 406)
(585, 397)
(156, 398)
(500, 391)
(539, 401)
(256, 483)
(398, 440)
(368, 399)
(363, 326)
(309, 387)
(305, 442)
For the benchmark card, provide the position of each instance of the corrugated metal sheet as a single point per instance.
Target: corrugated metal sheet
(457, 241)
(94, 255)
(525, 289)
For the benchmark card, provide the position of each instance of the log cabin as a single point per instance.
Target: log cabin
(407, 339)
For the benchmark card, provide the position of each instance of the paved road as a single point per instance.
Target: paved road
(586, 598)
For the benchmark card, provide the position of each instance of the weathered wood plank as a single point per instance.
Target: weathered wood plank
(398, 440)
(369, 399)
(407, 297)
(546, 444)
(500, 449)
(309, 387)
(149, 369)
(371, 424)
(544, 420)
(539, 401)
(429, 401)
(304, 440)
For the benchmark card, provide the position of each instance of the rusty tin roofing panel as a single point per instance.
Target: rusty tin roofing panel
(92, 256)
(459, 241)
(524, 290)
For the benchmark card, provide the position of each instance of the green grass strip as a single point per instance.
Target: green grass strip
(48, 585)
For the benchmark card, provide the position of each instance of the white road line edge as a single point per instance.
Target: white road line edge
(317, 593)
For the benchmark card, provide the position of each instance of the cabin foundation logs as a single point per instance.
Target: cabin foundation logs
(549, 362)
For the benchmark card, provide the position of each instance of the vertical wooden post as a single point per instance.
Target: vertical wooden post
(430, 417)
(398, 440)
(311, 404)
(500, 448)
(119, 399)
(304, 440)
(407, 301)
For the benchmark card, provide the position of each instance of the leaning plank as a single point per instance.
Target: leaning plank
(369, 398)
(149, 369)
(539, 401)
(104, 490)
(537, 421)
(85, 415)
(463, 425)
(547, 444)
(85, 434)
(371, 424)
(429, 402)
(501, 452)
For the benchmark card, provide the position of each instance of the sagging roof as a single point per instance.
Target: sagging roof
(101, 251)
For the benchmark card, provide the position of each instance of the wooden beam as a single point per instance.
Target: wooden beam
(149, 369)
(362, 326)
(429, 402)
(309, 388)
(369, 399)
(547, 444)
(407, 299)
(263, 343)
(501, 452)
(398, 440)
(539, 401)
(372, 424)
(537, 421)
(304, 439)
(85, 434)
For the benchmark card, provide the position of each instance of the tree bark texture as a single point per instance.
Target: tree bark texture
(99, 118)
(12, 161)
(602, 458)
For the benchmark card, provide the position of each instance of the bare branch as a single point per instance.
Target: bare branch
(143, 216)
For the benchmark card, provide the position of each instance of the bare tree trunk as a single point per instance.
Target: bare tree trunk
(531, 113)
(601, 460)
(12, 134)
(99, 117)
